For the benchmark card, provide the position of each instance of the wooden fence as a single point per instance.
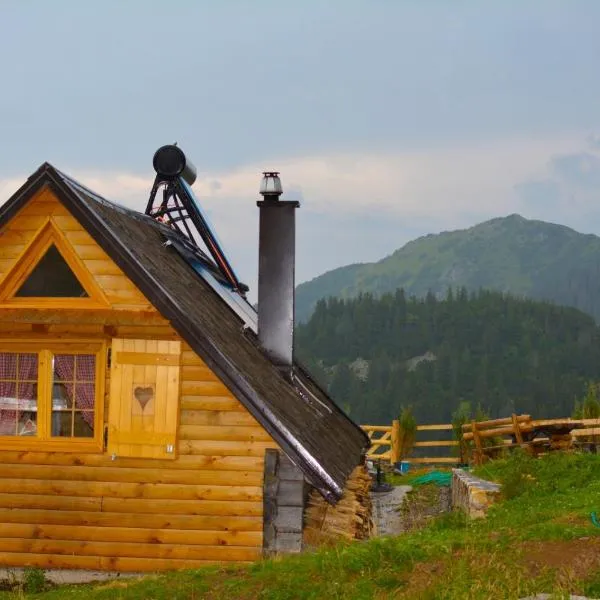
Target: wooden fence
(484, 439)
(386, 444)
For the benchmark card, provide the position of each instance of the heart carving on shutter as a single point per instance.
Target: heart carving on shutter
(143, 395)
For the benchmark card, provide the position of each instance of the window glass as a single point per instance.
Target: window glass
(18, 393)
(51, 278)
(73, 395)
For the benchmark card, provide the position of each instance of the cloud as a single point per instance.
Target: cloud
(9, 186)
(128, 189)
(566, 190)
(581, 169)
(543, 194)
(361, 206)
(594, 141)
(440, 182)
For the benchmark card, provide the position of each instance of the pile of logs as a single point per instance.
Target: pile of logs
(349, 519)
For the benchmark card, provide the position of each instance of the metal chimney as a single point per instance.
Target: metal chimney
(276, 266)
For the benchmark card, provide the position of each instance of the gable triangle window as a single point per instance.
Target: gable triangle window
(50, 274)
(51, 278)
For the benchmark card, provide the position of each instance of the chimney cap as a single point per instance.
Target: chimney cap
(271, 184)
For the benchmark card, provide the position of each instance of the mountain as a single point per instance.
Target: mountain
(512, 254)
(487, 349)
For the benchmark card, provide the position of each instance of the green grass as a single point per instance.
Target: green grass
(508, 555)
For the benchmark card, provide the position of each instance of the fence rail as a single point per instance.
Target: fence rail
(386, 444)
(483, 439)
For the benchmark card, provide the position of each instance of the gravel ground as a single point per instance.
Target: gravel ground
(387, 517)
(405, 509)
(62, 576)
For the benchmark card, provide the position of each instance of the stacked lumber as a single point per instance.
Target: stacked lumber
(350, 519)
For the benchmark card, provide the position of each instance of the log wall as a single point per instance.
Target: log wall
(89, 511)
(70, 510)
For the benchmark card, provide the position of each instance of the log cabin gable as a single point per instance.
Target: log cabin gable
(45, 230)
(50, 274)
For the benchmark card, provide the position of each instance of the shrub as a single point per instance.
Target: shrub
(518, 478)
(461, 416)
(34, 580)
(589, 407)
(408, 431)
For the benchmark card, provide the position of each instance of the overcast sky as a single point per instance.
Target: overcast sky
(388, 119)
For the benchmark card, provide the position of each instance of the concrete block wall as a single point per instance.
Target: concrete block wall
(284, 497)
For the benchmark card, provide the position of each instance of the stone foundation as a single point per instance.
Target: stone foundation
(472, 494)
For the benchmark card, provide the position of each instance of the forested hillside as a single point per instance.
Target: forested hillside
(490, 349)
(527, 258)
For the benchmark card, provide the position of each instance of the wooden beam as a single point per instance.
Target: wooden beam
(132, 475)
(494, 422)
(477, 439)
(498, 431)
(434, 444)
(585, 432)
(97, 563)
(146, 358)
(154, 521)
(154, 491)
(103, 317)
(395, 442)
(517, 429)
(385, 428)
(130, 534)
(224, 459)
(129, 550)
(212, 403)
(383, 456)
(434, 460)
(441, 427)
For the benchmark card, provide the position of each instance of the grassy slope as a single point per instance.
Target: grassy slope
(540, 540)
(510, 254)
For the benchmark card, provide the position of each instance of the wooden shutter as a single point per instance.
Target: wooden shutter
(144, 398)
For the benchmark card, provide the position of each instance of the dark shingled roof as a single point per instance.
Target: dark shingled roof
(296, 412)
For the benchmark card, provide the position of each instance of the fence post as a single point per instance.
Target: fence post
(395, 445)
(517, 430)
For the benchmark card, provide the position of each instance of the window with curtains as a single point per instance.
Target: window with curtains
(51, 394)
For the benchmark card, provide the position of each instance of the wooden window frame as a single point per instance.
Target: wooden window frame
(43, 441)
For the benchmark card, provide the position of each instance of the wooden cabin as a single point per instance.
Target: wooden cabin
(142, 425)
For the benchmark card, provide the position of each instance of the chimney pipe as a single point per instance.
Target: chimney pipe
(276, 265)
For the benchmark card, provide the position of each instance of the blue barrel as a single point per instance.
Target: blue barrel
(404, 466)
